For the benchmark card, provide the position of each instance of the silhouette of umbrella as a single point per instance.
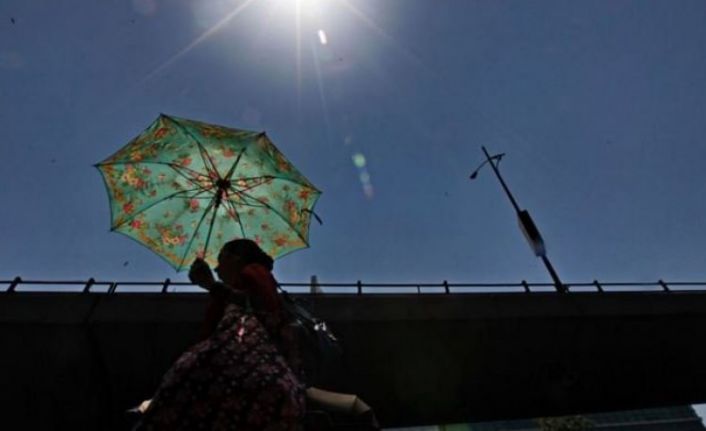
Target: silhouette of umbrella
(183, 188)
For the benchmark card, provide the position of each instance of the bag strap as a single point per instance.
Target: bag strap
(294, 307)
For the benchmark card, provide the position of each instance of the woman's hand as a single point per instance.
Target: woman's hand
(200, 273)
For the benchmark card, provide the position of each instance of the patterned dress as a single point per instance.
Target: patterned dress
(236, 379)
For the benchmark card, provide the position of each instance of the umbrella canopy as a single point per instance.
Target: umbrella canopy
(183, 188)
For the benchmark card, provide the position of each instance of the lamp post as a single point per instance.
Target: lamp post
(529, 229)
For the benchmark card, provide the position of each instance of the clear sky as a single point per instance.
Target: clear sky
(600, 107)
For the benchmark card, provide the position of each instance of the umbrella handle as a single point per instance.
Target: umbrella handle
(210, 227)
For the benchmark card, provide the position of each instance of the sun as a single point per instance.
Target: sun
(311, 7)
(301, 8)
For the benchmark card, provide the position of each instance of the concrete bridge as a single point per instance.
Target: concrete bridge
(78, 360)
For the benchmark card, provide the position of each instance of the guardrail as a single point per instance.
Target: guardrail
(19, 285)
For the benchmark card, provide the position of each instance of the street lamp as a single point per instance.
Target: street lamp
(527, 226)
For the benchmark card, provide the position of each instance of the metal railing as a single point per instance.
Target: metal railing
(19, 285)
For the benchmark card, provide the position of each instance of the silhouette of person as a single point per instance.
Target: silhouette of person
(236, 377)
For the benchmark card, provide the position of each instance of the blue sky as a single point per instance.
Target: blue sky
(599, 106)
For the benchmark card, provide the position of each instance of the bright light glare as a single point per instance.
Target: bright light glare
(309, 15)
(310, 7)
(307, 8)
(322, 37)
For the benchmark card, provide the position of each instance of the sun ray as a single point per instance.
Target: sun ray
(322, 94)
(205, 35)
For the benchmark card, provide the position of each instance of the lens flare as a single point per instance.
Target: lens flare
(363, 175)
(359, 160)
(322, 37)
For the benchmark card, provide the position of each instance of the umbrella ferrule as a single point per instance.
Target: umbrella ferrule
(223, 184)
(222, 190)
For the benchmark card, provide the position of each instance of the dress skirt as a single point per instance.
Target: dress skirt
(234, 380)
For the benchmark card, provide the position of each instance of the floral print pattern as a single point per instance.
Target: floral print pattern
(183, 184)
(234, 380)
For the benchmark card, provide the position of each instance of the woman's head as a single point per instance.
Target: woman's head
(236, 254)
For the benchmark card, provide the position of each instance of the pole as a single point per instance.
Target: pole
(502, 182)
(555, 277)
(550, 268)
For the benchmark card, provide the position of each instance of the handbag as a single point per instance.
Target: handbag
(320, 348)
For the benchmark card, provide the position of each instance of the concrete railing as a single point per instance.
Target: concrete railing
(18, 285)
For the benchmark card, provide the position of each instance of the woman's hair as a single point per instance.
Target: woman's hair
(249, 252)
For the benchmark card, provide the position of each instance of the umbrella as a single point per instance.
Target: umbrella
(183, 188)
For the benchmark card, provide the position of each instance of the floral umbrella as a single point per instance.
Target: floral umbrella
(183, 188)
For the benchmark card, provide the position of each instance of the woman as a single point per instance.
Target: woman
(236, 378)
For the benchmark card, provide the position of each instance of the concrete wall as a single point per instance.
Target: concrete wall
(78, 360)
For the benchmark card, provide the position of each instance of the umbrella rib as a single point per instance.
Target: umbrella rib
(210, 229)
(251, 205)
(270, 177)
(276, 212)
(178, 168)
(237, 214)
(135, 214)
(206, 156)
(174, 166)
(196, 196)
(231, 171)
(202, 150)
(283, 179)
(186, 177)
(250, 187)
(196, 231)
(191, 180)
